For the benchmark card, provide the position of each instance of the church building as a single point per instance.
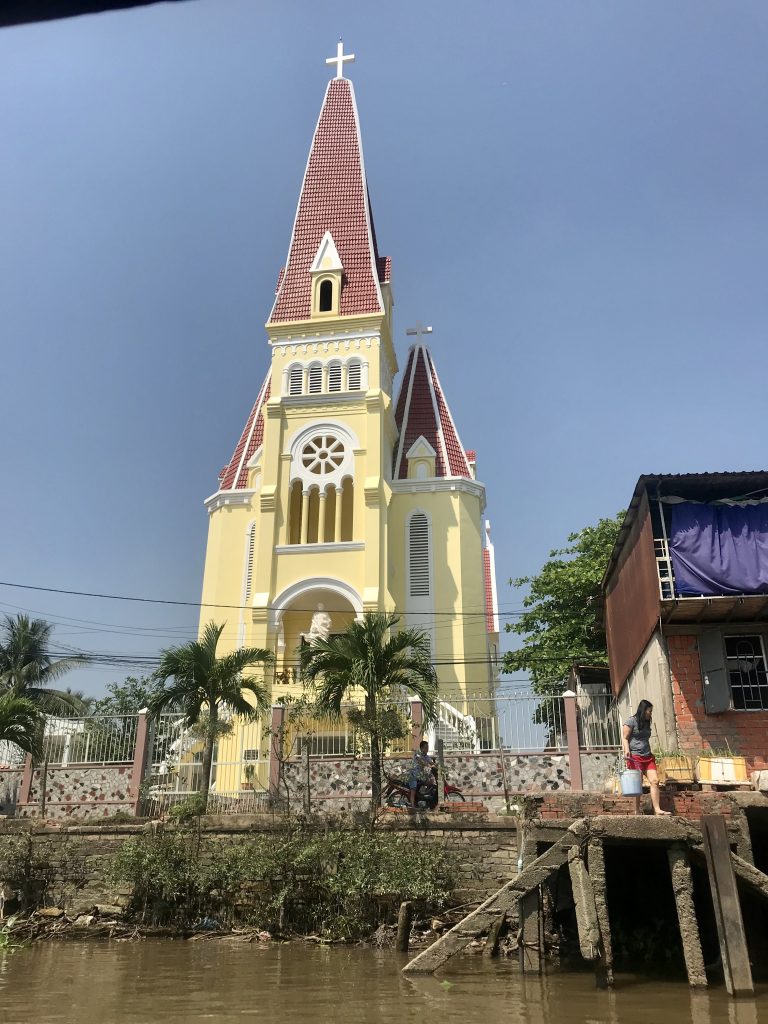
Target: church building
(342, 496)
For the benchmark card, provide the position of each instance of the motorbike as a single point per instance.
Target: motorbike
(397, 793)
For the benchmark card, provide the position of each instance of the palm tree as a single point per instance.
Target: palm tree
(27, 666)
(366, 657)
(204, 685)
(21, 723)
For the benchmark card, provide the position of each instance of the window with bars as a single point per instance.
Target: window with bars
(747, 672)
(418, 555)
(334, 376)
(315, 379)
(354, 377)
(296, 380)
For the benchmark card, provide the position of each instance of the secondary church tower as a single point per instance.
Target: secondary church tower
(338, 497)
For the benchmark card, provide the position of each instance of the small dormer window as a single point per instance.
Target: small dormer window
(326, 297)
(326, 271)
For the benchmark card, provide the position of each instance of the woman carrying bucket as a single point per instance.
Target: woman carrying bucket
(636, 740)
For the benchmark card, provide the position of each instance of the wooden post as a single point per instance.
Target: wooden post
(725, 897)
(404, 919)
(307, 789)
(276, 749)
(531, 934)
(440, 772)
(604, 963)
(572, 737)
(682, 885)
(494, 936)
(43, 784)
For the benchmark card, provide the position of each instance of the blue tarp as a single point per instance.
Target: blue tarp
(719, 549)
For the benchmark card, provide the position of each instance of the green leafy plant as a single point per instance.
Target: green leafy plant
(339, 883)
(188, 809)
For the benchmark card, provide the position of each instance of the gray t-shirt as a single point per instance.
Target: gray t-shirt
(640, 739)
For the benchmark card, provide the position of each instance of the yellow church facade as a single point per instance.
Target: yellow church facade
(346, 493)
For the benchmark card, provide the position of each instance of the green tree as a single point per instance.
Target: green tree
(202, 685)
(129, 697)
(559, 626)
(27, 666)
(381, 664)
(21, 723)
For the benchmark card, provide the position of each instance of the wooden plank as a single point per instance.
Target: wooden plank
(725, 897)
(404, 919)
(682, 886)
(506, 899)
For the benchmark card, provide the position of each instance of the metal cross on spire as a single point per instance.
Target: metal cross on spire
(418, 330)
(340, 59)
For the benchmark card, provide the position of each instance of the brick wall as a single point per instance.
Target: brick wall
(685, 804)
(745, 731)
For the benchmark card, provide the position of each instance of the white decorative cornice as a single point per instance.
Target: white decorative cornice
(459, 484)
(309, 549)
(330, 342)
(231, 499)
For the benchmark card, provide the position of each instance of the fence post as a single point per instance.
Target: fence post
(26, 782)
(417, 720)
(276, 749)
(572, 737)
(140, 755)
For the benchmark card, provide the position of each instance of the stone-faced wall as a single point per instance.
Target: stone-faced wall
(597, 769)
(338, 784)
(80, 791)
(10, 781)
(74, 860)
(743, 731)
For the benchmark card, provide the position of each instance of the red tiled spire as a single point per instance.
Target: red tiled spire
(422, 411)
(489, 579)
(234, 476)
(334, 197)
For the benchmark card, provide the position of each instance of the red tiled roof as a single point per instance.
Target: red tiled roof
(334, 197)
(235, 475)
(488, 580)
(422, 411)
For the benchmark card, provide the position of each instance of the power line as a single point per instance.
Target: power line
(237, 607)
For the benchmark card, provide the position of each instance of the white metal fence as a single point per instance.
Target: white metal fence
(98, 739)
(239, 772)
(11, 756)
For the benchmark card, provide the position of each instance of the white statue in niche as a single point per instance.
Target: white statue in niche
(321, 625)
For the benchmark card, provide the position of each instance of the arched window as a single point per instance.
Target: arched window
(334, 376)
(326, 297)
(418, 555)
(315, 379)
(294, 513)
(296, 380)
(354, 376)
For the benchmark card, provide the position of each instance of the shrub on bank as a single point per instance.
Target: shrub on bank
(340, 883)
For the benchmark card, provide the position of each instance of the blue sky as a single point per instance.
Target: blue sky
(573, 193)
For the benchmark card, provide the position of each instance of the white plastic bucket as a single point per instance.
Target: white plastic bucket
(631, 782)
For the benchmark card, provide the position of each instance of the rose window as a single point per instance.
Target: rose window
(322, 455)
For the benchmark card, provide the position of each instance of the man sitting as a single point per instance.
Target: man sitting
(422, 770)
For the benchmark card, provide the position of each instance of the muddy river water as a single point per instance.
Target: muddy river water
(162, 982)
